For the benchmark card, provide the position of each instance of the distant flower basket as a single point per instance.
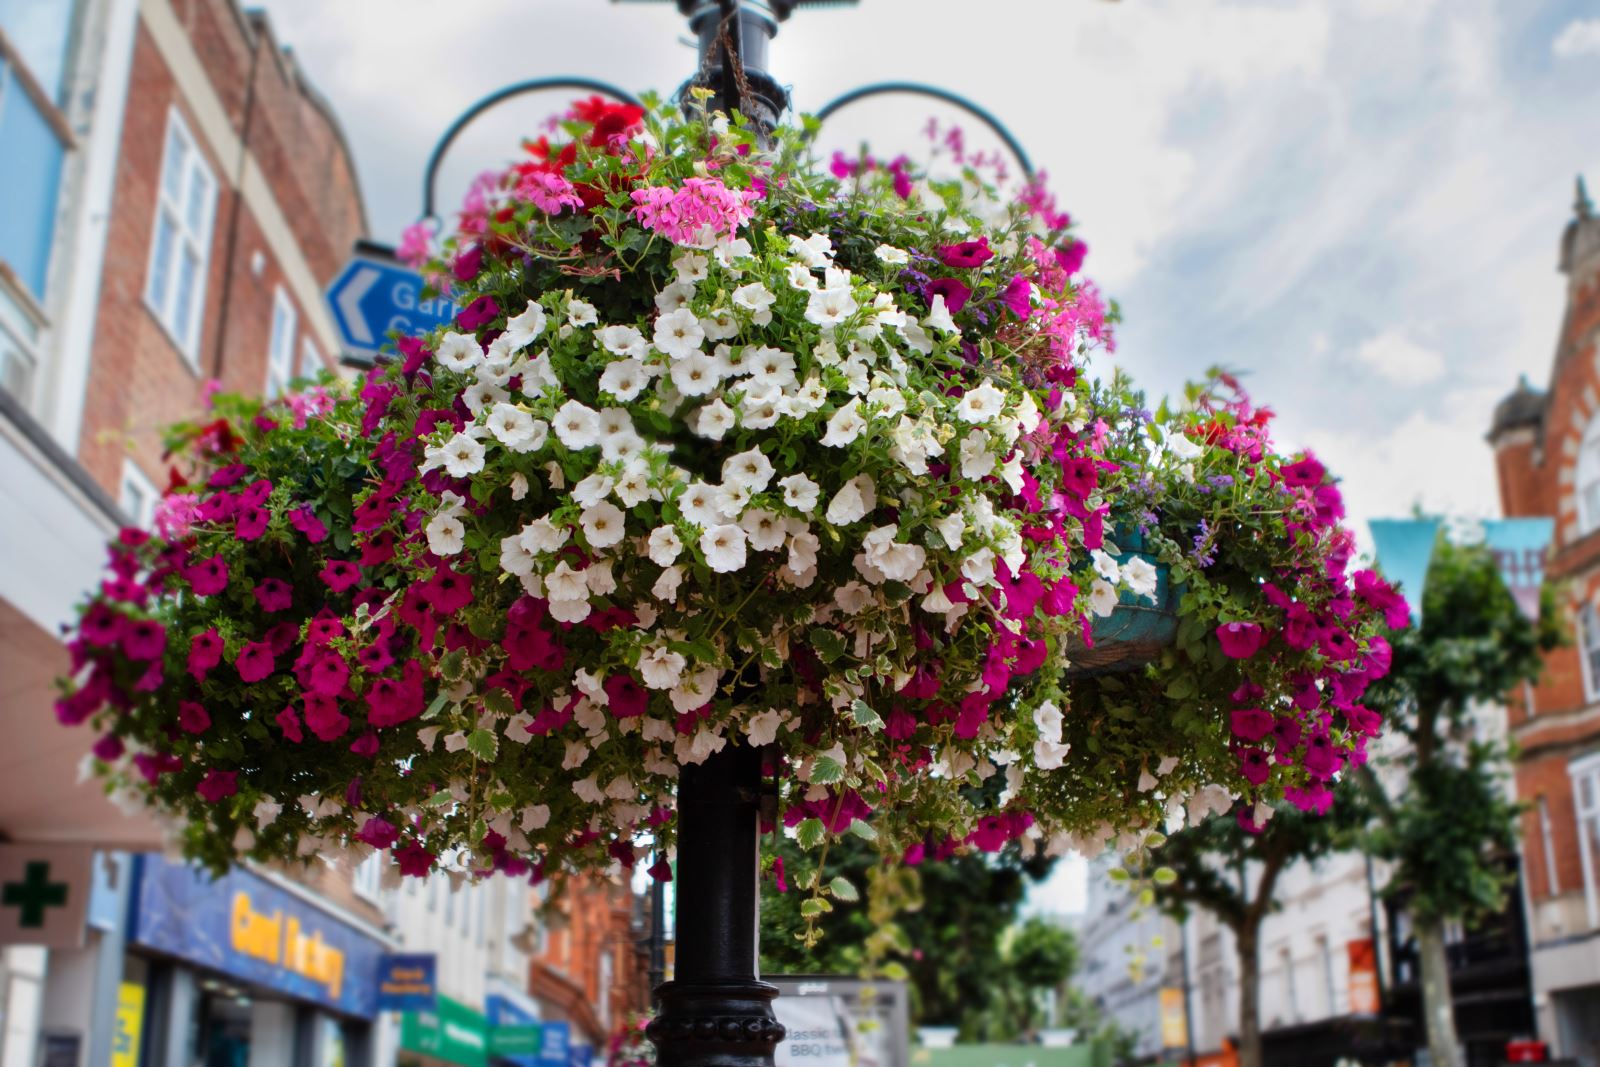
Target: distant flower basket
(726, 447)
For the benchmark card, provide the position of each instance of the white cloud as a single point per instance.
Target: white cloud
(1395, 356)
(1580, 37)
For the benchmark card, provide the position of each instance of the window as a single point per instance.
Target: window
(1589, 649)
(1585, 774)
(180, 244)
(280, 347)
(368, 878)
(137, 494)
(40, 31)
(310, 359)
(1588, 487)
(19, 336)
(1547, 834)
(32, 146)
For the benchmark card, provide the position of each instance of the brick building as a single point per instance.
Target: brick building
(590, 963)
(176, 198)
(1547, 450)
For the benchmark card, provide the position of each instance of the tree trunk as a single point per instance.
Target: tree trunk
(1247, 937)
(1438, 1012)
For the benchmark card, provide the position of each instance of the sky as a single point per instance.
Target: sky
(1356, 203)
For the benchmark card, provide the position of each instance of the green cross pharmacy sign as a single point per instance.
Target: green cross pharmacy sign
(44, 894)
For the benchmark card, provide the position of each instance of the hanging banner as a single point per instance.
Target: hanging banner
(1404, 548)
(408, 982)
(1174, 1026)
(1363, 985)
(1519, 547)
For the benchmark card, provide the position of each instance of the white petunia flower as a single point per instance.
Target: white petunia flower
(1105, 565)
(845, 426)
(666, 586)
(577, 752)
(516, 429)
(800, 277)
(772, 367)
(762, 729)
(720, 324)
(827, 308)
(515, 558)
(678, 333)
(661, 667)
(1011, 472)
(633, 484)
(891, 255)
(625, 379)
(695, 374)
(524, 328)
(1140, 574)
(897, 562)
(938, 316)
(602, 524)
(577, 426)
(724, 547)
(564, 583)
(713, 420)
(977, 461)
(951, 528)
(750, 468)
(665, 546)
(1183, 448)
(588, 790)
(580, 313)
(674, 297)
(459, 352)
(593, 489)
(542, 535)
(463, 455)
(538, 377)
(1049, 755)
(800, 492)
(853, 501)
(981, 404)
(698, 504)
(1047, 717)
(624, 341)
(691, 267)
(803, 548)
(815, 251)
(446, 534)
(852, 597)
(1102, 597)
(916, 338)
(766, 531)
(756, 299)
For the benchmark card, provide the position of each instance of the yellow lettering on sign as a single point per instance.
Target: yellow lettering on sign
(254, 933)
(305, 954)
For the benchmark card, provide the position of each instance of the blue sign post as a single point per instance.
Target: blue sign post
(374, 296)
(554, 1044)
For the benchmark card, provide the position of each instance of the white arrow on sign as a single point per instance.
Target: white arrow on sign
(350, 303)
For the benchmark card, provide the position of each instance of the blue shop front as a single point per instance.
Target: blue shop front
(245, 970)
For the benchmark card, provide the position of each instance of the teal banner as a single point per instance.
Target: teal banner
(1404, 548)
(1519, 547)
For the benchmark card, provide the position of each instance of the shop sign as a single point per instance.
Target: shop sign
(1174, 1021)
(247, 927)
(553, 1051)
(515, 1034)
(580, 1056)
(408, 982)
(451, 1032)
(44, 894)
(1363, 987)
(129, 1025)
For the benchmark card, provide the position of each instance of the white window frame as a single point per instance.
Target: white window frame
(1589, 649)
(367, 879)
(310, 358)
(191, 235)
(280, 343)
(1580, 770)
(1586, 484)
(21, 323)
(134, 479)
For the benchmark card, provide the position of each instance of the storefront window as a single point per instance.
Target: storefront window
(221, 1027)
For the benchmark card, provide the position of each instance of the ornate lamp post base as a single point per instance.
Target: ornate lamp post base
(717, 1012)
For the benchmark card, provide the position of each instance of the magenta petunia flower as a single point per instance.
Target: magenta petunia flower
(1250, 724)
(1306, 472)
(251, 522)
(101, 626)
(208, 577)
(144, 639)
(255, 661)
(324, 717)
(365, 746)
(448, 591)
(288, 721)
(218, 785)
(626, 697)
(974, 253)
(305, 520)
(328, 674)
(378, 832)
(324, 628)
(955, 293)
(1253, 765)
(1018, 296)
(661, 870)
(152, 765)
(274, 594)
(467, 264)
(414, 860)
(1240, 640)
(108, 748)
(340, 574)
(192, 718)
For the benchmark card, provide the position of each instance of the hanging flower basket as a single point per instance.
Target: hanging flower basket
(725, 446)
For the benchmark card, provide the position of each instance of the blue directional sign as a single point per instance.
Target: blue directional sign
(373, 296)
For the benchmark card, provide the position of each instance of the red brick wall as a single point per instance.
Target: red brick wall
(138, 380)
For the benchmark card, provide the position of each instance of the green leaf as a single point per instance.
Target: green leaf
(810, 833)
(826, 771)
(829, 645)
(863, 830)
(483, 744)
(1182, 687)
(865, 717)
(437, 706)
(895, 971)
(844, 889)
(1165, 876)
(814, 906)
(499, 702)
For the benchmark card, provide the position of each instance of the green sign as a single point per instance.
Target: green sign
(33, 894)
(452, 1032)
(514, 1040)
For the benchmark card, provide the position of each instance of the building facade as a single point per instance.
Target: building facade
(1547, 453)
(591, 958)
(176, 197)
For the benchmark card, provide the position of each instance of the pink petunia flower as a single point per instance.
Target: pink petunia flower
(192, 718)
(1240, 640)
(255, 661)
(218, 785)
